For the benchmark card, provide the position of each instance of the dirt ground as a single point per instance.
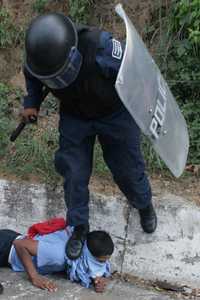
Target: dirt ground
(102, 15)
(21, 13)
(187, 187)
(140, 12)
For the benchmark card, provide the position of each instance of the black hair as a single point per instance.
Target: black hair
(100, 243)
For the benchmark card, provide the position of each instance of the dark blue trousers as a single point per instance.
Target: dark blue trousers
(119, 137)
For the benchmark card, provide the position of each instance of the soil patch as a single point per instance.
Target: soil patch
(139, 11)
(187, 187)
(102, 15)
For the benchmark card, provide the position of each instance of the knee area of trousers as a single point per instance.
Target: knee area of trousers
(137, 181)
(60, 163)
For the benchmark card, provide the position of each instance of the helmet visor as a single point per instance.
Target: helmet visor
(68, 74)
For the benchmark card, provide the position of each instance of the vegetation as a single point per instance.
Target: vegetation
(39, 6)
(79, 10)
(5, 119)
(178, 55)
(176, 31)
(183, 68)
(32, 153)
(10, 35)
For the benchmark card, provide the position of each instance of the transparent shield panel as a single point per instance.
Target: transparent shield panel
(149, 100)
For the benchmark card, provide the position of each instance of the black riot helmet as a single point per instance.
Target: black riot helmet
(51, 50)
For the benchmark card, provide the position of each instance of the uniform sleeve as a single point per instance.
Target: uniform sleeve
(34, 88)
(110, 55)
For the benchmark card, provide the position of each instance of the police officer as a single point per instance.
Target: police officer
(79, 66)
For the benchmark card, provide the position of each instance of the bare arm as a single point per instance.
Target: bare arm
(25, 250)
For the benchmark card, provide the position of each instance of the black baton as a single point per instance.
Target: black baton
(20, 127)
(22, 124)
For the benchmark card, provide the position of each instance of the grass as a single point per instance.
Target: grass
(32, 154)
(100, 168)
(39, 6)
(79, 10)
(10, 34)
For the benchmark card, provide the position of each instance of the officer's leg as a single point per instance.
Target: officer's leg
(73, 161)
(120, 140)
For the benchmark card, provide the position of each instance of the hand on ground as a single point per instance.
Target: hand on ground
(44, 283)
(100, 284)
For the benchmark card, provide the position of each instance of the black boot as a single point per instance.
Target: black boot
(148, 219)
(76, 241)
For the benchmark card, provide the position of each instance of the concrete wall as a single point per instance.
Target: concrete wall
(172, 253)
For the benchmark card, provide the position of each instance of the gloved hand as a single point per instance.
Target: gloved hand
(30, 114)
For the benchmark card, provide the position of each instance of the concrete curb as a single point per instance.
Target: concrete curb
(172, 253)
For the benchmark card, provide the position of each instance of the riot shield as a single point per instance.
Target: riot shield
(149, 100)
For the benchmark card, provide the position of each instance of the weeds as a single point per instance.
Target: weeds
(10, 35)
(184, 53)
(100, 168)
(39, 6)
(178, 58)
(79, 10)
(191, 111)
(178, 38)
(5, 119)
(32, 153)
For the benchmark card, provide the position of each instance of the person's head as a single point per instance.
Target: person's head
(51, 53)
(100, 245)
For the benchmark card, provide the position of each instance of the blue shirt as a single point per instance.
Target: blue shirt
(51, 258)
(50, 253)
(86, 268)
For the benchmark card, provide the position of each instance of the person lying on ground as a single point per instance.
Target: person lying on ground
(46, 254)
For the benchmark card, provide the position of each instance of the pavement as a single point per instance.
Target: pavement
(16, 286)
(170, 255)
